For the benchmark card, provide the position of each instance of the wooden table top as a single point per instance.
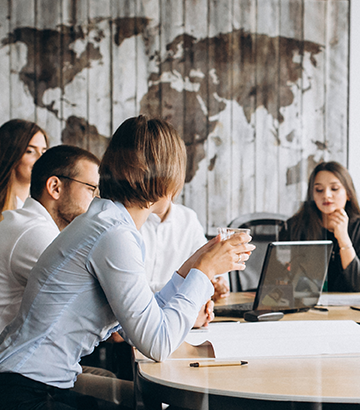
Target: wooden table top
(306, 379)
(312, 379)
(332, 313)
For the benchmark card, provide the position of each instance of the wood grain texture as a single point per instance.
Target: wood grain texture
(21, 15)
(219, 85)
(47, 68)
(195, 192)
(5, 100)
(258, 89)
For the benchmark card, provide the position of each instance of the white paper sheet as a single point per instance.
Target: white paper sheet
(339, 299)
(271, 339)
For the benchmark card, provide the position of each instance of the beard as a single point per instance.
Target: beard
(67, 211)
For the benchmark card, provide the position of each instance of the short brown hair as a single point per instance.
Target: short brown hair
(145, 161)
(60, 160)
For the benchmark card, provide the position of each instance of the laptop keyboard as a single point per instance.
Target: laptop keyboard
(236, 310)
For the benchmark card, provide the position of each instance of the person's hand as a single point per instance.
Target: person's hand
(189, 263)
(115, 338)
(221, 288)
(338, 224)
(217, 257)
(224, 256)
(206, 315)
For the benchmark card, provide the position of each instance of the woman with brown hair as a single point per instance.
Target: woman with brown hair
(21, 144)
(90, 282)
(331, 211)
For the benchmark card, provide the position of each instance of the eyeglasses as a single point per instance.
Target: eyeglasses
(95, 188)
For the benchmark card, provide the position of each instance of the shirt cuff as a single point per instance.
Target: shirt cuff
(197, 286)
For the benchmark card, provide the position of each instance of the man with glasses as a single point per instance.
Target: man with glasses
(63, 183)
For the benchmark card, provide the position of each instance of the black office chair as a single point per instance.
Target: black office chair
(265, 228)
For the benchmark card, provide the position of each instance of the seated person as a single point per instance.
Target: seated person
(63, 183)
(90, 281)
(21, 144)
(331, 211)
(57, 197)
(170, 239)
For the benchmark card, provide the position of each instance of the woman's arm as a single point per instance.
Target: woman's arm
(157, 331)
(338, 222)
(350, 253)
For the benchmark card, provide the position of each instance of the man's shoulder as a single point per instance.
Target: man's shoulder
(102, 216)
(32, 213)
(106, 212)
(186, 221)
(30, 218)
(182, 210)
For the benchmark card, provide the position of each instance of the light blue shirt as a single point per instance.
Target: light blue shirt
(90, 279)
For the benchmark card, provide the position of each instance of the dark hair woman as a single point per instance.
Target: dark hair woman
(331, 211)
(21, 144)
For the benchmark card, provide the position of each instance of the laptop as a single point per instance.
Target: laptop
(291, 280)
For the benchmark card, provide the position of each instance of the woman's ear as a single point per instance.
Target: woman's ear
(54, 187)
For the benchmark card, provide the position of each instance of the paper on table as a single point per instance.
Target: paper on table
(339, 299)
(297, 338)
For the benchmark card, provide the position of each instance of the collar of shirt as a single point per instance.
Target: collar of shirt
(155, 219)
(125, 212)
(32, 206)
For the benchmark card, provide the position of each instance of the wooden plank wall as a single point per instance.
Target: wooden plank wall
(258, 89)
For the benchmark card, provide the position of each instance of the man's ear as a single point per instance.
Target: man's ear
(54, 187)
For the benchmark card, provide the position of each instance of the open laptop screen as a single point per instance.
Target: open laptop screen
(292, 275)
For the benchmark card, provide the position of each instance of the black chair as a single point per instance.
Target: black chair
(265, 228)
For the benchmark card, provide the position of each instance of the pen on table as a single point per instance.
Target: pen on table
(321, 309)
(219, 363)
(355, 307)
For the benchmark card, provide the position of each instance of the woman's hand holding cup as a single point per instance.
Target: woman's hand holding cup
(221, 254)
(226, 233)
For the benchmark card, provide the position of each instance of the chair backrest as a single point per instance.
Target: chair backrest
(265, 228)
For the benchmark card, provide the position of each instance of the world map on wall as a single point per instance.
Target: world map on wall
(255, 70)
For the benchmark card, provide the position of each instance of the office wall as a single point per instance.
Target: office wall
(354, 95)
(258, 89)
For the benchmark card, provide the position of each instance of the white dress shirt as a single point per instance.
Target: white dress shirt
(170, 243)
(89, 283)
(24, 235)
(19, 203)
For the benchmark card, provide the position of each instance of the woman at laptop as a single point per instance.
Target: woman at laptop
(331, 211)
(90, 282)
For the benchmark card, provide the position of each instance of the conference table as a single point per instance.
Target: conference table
(318, 382)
